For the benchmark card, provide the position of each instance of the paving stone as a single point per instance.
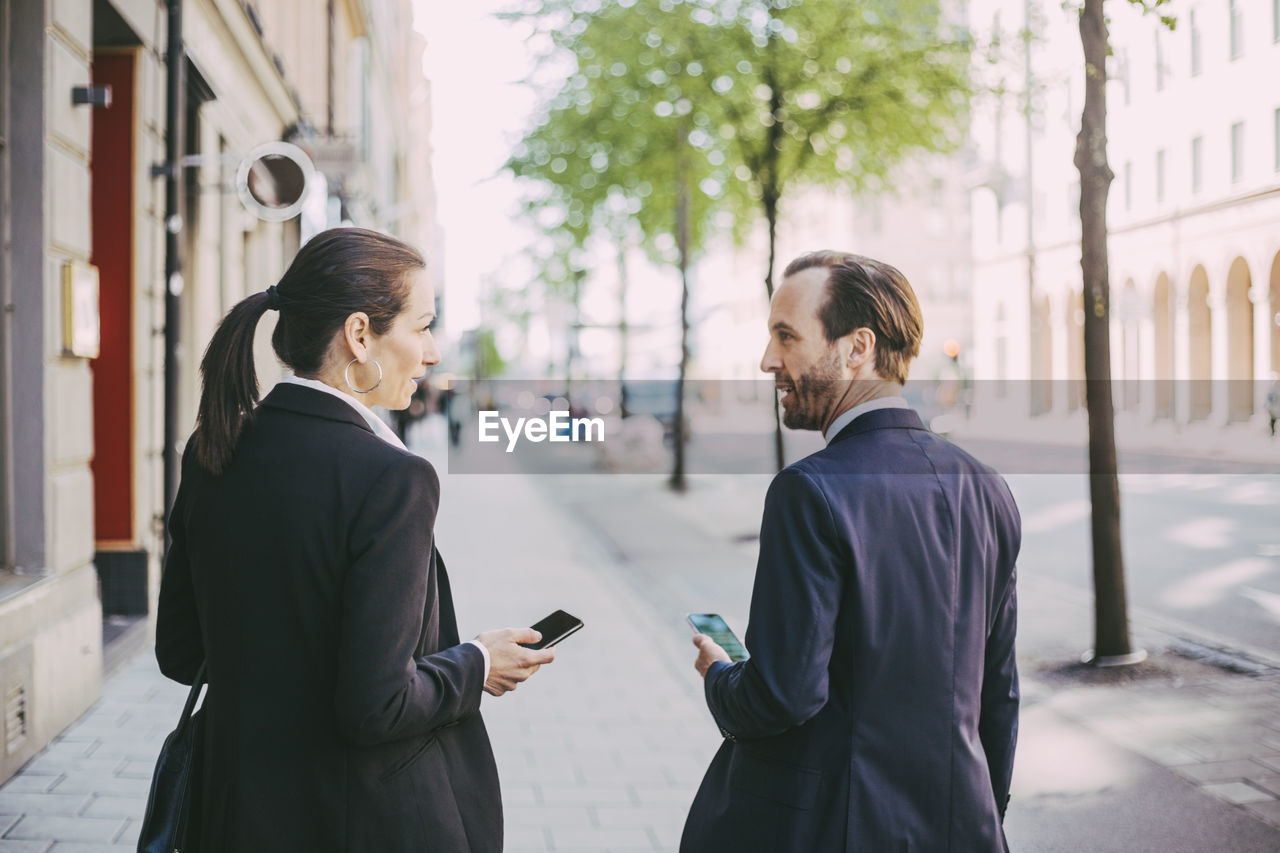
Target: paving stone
(103, 784)
(547, 817)
(1268, 811)
(1237, 792)
(676, 797)
(1270, 759)
(30, 783)
(532, 838)
(138, 749)
(1223, 752)
(1221, 771)
(601, 838)
(1269, 783)
(57, 828)
(558, 795)
(43, 803)
(1168, 755)
(137, 769)
(109, 806)
(11, 846)
(46, 765)
(638, 816)
(80, 847)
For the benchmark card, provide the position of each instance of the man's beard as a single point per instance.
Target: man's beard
(814, 395)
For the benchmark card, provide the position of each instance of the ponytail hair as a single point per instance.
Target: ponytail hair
(337, 273)
(229, 384)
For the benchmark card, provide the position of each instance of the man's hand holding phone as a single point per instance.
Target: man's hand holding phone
(715, 641)
(708, 653)
(517, 653)
(510, 662)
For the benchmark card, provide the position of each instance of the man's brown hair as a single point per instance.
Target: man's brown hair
(865, 293)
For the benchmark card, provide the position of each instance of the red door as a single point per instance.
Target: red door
(112, 189)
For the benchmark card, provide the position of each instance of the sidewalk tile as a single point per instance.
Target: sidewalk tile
(547, 817)
(561, 795)
(51, 828)
(30, 783)
(1268, 811)
(103, 783)
(598, 839)
(1223, 752)
(43, 804)
(639, 817)
(9, 846)
(1223, 771)
(531, 838)
(110, 806)
(1169, 755)
(1267, 783)
(1238, 793)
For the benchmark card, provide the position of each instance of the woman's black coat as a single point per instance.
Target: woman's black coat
(342, 713)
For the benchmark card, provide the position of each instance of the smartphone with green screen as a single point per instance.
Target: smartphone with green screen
(717, 629)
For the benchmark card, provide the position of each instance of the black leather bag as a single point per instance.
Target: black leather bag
(173, 805)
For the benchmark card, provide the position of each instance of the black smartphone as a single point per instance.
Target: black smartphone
(717, 629)
(553, 629)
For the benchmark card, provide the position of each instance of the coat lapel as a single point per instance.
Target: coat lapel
(317, 404)
(880, 419)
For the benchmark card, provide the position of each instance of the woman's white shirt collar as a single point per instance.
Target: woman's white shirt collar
(377, 424)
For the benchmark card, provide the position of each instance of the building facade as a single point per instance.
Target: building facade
(1194, 142)
(82, 421)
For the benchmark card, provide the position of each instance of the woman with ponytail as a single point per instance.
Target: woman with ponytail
(342, 712)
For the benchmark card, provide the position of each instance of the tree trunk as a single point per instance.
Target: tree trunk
(571, 339)
(771, 195)
(1111, 621)
(771, 216)
(623, 277)
(682, 238)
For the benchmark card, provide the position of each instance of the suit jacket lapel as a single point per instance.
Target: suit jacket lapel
(448, 619)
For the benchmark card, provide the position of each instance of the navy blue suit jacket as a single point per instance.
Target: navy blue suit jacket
(879, 709)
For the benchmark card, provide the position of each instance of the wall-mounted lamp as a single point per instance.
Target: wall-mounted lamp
(94, 96)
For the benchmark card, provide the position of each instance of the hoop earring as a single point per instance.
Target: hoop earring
(346, 374)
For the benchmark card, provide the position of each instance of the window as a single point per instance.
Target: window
(1277, 135)
(1237, 151)
(1128, 185)
(1197, 172)
(1122, 71)
(1159, 59)
(1195, 43)
(1160, 176)
(1237, 29)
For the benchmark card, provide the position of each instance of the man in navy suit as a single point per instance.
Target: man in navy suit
(879, 708)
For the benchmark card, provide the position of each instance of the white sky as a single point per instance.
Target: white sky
(479, 111)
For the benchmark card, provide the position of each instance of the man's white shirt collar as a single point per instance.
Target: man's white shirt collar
(861, 409)
(377, 424)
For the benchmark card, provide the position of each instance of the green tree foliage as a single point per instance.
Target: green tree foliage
(734, 103)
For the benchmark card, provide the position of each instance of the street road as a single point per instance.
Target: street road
(1201, 538)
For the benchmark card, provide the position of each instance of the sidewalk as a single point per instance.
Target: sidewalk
(603, 750)
(1177, 756)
